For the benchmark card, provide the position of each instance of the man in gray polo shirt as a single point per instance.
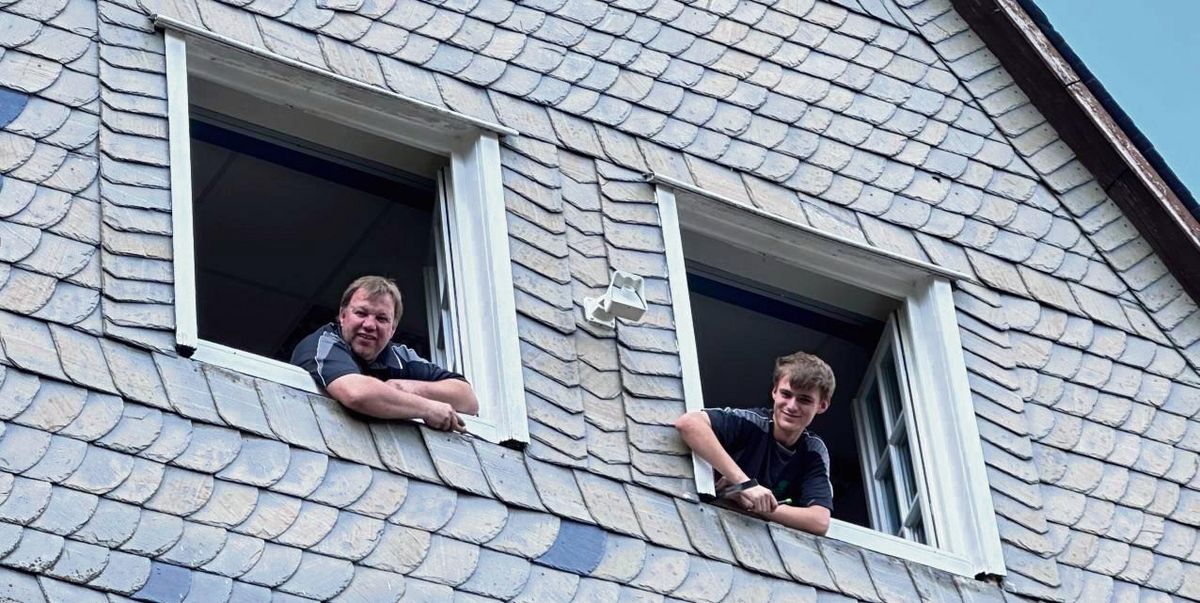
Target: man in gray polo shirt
(354, 359)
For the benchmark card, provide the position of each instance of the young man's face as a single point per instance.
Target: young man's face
(794, 410)
(368, 323)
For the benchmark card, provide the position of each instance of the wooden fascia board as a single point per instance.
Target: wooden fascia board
(1096, 138)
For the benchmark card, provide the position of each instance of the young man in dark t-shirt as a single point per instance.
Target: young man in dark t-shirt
(765, 456)
(356, 362)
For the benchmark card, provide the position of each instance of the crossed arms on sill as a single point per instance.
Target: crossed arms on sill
(697, 431)
(438, 403)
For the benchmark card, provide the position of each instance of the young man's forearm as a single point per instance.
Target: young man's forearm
(697, 433)
(814, 519)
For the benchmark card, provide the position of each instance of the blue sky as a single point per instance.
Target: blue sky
(1147, 55)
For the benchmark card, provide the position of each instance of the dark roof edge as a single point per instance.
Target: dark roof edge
(1109, 103)
(1082, 112)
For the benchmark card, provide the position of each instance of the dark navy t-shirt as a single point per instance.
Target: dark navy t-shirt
(801, 474)
(326, 356)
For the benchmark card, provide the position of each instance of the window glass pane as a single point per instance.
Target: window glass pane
(905, 469)
(875, 421)
(917, 534)
(891, 506)
(891, 388)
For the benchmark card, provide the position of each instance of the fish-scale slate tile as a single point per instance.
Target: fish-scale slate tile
(229, 506)
(186, 388)
(198, 545)
(558, 490)
(608, 503)
(313, 523)
(27, 344)
(448, 561)
(237, 401)
(456, 462)
(124, 574)
(476, 520)
(319, 577)
(20, 586)
(498, 575)
(801, 557)
(507, 475)
(891, 577)
(155, 533)
(239, 554)
(343, 484)
(426, 506)
(752, 543)
(305, 472)
(272, 515)
(384, 496)
(210, 449)
(62, 457)
(276, 564)
(36, 551)
(848, 570)
(402, 450)
(79, 562)
(66, 512)
(134, 373)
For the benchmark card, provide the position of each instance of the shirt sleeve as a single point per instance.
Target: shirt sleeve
(326, 357)
(730, 428)
(814, 486)
(420, 369)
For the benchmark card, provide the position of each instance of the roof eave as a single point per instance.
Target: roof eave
(1099, 141)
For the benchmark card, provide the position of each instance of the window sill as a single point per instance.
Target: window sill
(887, 544)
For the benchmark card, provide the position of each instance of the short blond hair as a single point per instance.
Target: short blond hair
(804, 371)
(374, 286)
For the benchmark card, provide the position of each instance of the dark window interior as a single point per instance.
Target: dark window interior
(741, 330)
(282, 225)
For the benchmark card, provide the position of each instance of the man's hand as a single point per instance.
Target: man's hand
(443, 417)
(758, 499)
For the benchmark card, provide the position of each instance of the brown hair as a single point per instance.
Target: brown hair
(374, 286)
(804, 371)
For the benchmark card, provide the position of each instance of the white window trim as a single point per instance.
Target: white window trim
(487, 306)
(960, 504)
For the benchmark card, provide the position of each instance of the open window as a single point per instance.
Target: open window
(748, 287)
(289, 182)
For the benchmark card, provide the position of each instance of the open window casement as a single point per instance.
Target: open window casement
(922, 461)
(356, 128)
(442, 305)
(884, 426)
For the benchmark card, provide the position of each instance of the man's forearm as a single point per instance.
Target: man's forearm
(814, 519)
(375, 398)
(457, 393)
(698, 434)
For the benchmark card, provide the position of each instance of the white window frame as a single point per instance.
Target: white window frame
(962, 520)
(474, 205)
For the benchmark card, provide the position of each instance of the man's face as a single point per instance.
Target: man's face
(794, 410)
(368, 323)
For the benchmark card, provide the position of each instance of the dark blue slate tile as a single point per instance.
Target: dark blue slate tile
(11, 105)
(166, 584)
(577, 549)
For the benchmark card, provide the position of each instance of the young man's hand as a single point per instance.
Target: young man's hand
(758, 499)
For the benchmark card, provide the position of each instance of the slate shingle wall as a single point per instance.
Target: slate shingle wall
(888, 123)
